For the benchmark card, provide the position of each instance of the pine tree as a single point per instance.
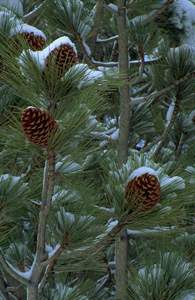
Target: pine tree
(97, 149)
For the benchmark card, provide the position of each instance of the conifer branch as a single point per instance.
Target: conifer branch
(50, 263)
(167, 130)
(107, 40)
(110, 64)
(32, 15)
(40, 256)
(12, 271)
(121, 245)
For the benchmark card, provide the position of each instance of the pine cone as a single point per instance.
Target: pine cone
(63, 57)
(34, 42)
(143, 192)
(38, 125)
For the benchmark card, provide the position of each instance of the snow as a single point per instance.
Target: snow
(52, 251)
(184, 19)
(170, 113)
(20, 28)
(5, 17)
(156, 229)
(141, 171)
(13, 5)
(178, 181)
(12, 179)
(115, 135)
(26, 275)
(140, 144)
(89, 77)
(87, 49)
(40, 56)
(113, 7)
(111, 225)
(189, 297)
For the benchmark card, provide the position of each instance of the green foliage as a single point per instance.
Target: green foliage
(169, 277)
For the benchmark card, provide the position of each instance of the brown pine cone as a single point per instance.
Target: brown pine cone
(143, 192)
(62, 57)
(38, 125)
(35, 42)
(34, 38)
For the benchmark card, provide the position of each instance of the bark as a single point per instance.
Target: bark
(122, 241)
(40, 256)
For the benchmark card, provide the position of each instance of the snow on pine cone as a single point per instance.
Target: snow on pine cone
(143, 189)
(62, 55)
(38, 125)
(34, 37)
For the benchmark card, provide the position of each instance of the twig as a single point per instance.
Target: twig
(31, 16)
(50, 263)
(179, 146)
(107, 40)
(166, 130)
(111, 64)
(13, 272)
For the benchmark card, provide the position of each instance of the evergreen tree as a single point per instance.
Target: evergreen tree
(97, 149)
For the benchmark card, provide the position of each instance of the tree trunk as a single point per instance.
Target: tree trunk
(32, 292)
(125, 114)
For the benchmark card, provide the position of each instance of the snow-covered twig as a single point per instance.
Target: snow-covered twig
(107, 40)
(29, 18)
(111, 7)
(12, 271)
(166, 131)
(111, 64)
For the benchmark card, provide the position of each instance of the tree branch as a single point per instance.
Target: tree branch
(13, 272)
(31, 16)
(121, 245)
(166, 131)
(107, 40)
(40, 256)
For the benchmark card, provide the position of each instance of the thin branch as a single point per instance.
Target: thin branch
(157, 94)
(111, 64)
(85, 49)
(50, 263)
(179, 146)
(107, 40)
(31, 16)
(166, 130)
(13, 272)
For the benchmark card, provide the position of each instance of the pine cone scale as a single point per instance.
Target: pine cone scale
(143, 192)
(38, 125)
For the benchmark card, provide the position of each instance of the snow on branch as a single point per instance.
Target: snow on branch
(33, 14)
(110, 39)
(22, 277)
(111, 7)
(111, 64)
